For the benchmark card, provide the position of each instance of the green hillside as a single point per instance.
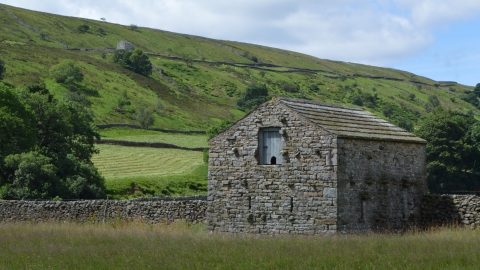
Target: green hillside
(197, 81)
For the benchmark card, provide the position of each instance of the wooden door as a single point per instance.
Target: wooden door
(271, 144)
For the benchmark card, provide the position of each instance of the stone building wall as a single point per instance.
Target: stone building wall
(380, 184)
(296, 197)
(125, 45)
(191, 209)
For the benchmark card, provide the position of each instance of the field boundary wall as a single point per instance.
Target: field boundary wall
(102, 126)
(450, 210)
(437, 210)
(165, 210)
(148, 144)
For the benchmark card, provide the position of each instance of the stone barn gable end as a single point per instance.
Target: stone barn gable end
(301, 167)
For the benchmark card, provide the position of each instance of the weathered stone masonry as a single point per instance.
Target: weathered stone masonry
(297, 196)
(342, 169)
(381, 184)
(191, 209)
(435, 210)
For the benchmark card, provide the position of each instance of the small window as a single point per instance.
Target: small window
(270, 146)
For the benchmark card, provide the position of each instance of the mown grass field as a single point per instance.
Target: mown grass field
(122, 162)
(142, 171)
(181, 246)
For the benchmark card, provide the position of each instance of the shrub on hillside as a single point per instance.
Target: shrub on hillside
(405, 123)
(432, 103)
(364, 99)
(313, 87)
(144, 116)
(215, 129)
(66, 72)
(471, 98)
(83, 28)
(2, 69)
(387, 110)
(289, 87)
(135, 61)
(255, 95)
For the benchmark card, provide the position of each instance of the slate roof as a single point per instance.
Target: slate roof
(349, 122)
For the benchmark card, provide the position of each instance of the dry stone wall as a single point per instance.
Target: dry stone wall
(436, 210)
(148, 144)
(191, 209)
(451, 209)
(296, 197)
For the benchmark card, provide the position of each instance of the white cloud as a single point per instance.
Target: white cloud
(432, 13)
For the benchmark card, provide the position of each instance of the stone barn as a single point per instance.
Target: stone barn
(125, 45)
(301, 167)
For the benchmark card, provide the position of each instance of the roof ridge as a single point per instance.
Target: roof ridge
(306, 101)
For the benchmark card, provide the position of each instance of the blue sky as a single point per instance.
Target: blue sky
(438, 39)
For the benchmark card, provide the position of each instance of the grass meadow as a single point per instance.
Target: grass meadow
(122, 161)
(142, 171)
(136, 245)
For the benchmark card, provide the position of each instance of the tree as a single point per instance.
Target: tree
(66, 72)
(56, 161)
(133, 27)
(16, 124)
(2, 69)
(140, 63)
(31, 177)
(453, 150)
(144, 116)
(188, 59)
(477, 90)
(255, 95)
(135, 61)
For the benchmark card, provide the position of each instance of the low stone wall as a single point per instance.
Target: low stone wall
(148, 144)
(451, 209)
(436, 210)
(102, 126)
(167, 210)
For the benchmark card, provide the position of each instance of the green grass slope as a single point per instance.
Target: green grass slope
(197, 80)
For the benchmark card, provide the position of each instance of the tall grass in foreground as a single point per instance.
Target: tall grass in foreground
(140, 246)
